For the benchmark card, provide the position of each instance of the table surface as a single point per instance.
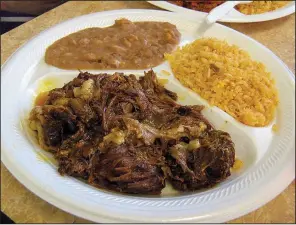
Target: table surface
(22, 206)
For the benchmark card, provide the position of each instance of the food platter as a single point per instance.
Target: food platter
(267, 164)
(233, 16)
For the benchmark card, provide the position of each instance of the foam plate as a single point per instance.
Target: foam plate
(269, 158)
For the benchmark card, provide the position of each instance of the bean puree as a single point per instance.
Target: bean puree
(125, 45)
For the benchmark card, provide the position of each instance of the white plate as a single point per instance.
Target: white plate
(234, 16)
(269, 159)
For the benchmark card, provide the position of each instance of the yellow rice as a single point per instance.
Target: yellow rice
(226, 77)
(257, 7)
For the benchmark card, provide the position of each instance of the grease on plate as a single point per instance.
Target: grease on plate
(181, 96)
(164, 72)
(44, 86)
(163, 81)
(238, 164)
(41, 98)
(275, 128)
(42, 158)
(47, 84)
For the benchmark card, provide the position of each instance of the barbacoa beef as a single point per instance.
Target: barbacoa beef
(129, 135)
(127, 168)
(195, 168)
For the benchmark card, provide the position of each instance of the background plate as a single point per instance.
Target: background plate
(233, 16)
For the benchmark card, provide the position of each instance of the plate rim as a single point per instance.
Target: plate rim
(57, 202)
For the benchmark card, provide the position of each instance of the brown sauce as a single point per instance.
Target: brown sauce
(125, 45)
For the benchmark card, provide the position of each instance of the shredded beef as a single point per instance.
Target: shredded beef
(129, 135)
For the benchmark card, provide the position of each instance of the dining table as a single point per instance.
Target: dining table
(23, 206)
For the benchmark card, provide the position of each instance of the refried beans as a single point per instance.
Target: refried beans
(125, 45)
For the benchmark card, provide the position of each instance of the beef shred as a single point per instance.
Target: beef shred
(130, 135)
